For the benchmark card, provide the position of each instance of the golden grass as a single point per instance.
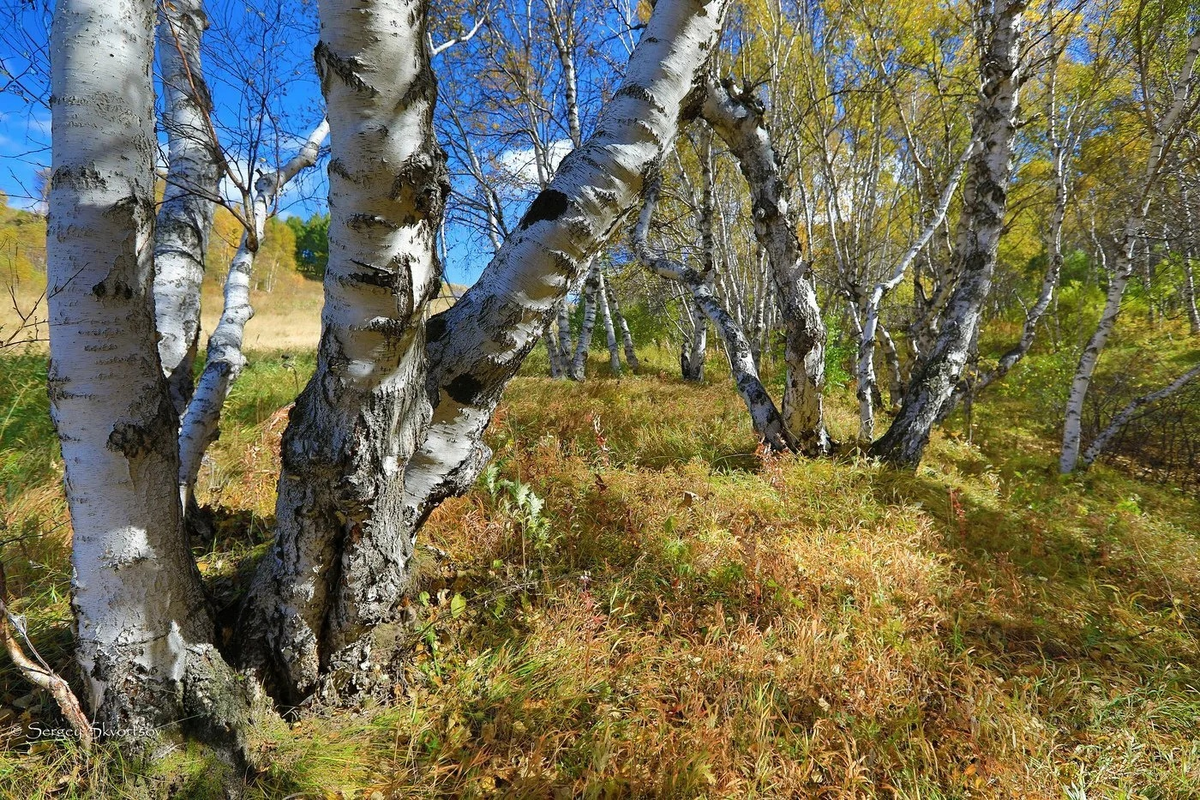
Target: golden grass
(286, 318)
(686, 617)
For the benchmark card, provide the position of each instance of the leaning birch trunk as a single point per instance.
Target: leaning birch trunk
(225, 359)
(986, 199)
(588, 295)
(1165, 135)
(1059, 158)
(185, 218)
(892, 358)
(740, 122)
(142, 623)
(626, 337)
(399, 408)
(553, 354)
(764, 415)
(1100, 443)
(1189, 294)
(610, 330)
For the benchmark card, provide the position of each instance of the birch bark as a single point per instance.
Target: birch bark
(143, 625)
(591, 286)
(1101, 442)
(339, 562)
(764, 415)
(610, 331)
(185, 218)
(1165, 134)
(626, 337)
(225, 359)
(392, 422)
(740, 122)
(984, 206)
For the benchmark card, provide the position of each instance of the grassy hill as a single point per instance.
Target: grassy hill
(286, 318)
(678, 615)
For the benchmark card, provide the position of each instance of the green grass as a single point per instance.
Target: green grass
(634, 602)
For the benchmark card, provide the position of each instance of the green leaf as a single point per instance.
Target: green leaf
(458, 604)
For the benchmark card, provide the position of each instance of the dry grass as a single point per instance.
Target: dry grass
(677, 615)
(287, 318)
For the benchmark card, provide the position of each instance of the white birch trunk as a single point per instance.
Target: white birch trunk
(985, 203)
(565, 349)
(476, 346)
(867, 387)
(1189, 294)
(626, 337)
(185, 218)
(392, 422)
(694, 348)
(1054, 255)
(225, 359)
(1165, 134)
(588, 295)
(1100, 443)
(141, 619)
(895, 375)
(764, 415)
(1189, 275)
(740, 122)
(339, 562)
(610, 330)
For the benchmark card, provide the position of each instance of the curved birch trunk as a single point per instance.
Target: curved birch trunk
(894, 373)
(694, 349)
(1189, 295)
(740, 123)
(982, 223)
(185, 218)
(392, 422)
(1189, 275)
(867, 384)
(1100, 443)
(225, 359)
(764, 415)
(480, 342)
(553, 354)
(1165, 135)
(143, 626)
(565, 348)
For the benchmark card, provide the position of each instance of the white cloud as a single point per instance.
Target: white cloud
(521, 164)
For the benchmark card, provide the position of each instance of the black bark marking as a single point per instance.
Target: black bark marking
(119, 290)
(329, 62)
(129, 440)
(464, 389)
(548, 206)
(436, 329)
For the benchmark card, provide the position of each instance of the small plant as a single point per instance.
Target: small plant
(523, 508)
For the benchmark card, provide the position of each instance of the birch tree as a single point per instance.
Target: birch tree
(1165, 130)
(194, 162)
(984, 205)
(740, 122)
(392, 421)
(143, 626)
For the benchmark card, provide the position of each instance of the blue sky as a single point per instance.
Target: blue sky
(259, 68)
